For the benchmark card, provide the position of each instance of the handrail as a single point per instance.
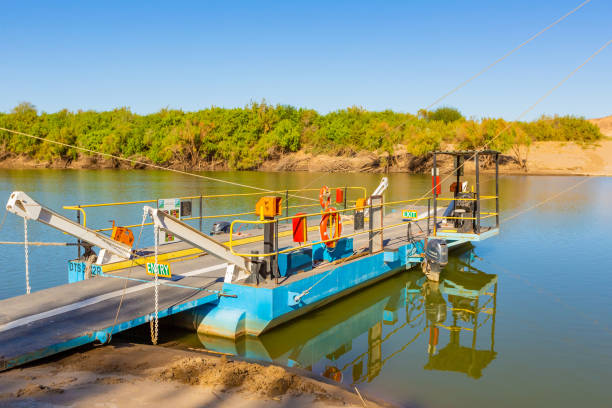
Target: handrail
(284, 251)
(465, 199)
(77, 208)
(306, 245)
(359, 208)
(207, 217)
(82, 207)
(363, 189)
(467, 218)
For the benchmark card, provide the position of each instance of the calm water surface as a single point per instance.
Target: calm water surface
(522, 319)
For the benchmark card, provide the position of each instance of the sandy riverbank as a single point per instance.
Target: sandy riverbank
(560, 158)
(129, 375)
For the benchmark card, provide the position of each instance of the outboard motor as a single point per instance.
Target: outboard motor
(436, 257)
(221, 227)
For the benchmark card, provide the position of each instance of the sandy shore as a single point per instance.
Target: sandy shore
(560, 158)
(130, 375)
(570, 158)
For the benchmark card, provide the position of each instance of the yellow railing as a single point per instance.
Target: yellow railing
(77, 208)
(310, 244)
(465, 199)
(290, 192)
(320, 213)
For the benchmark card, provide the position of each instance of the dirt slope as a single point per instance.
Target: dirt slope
(605, 125)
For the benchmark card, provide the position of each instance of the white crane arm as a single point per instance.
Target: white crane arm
(196, 238)
(382, 186)
(24, 206)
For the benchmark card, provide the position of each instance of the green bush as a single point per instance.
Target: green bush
(243, 138)
(445, 114)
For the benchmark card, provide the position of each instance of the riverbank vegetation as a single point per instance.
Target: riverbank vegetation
(244, 138)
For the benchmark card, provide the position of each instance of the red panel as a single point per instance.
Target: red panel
(435, 183)
(339, 196)
(300, 232)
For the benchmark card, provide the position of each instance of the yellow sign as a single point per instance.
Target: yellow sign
(163, 270)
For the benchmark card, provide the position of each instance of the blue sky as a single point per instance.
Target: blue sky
(323, 55)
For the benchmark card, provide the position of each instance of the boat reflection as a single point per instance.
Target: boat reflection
(351, 340)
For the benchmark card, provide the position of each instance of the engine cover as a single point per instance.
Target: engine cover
(437, 252)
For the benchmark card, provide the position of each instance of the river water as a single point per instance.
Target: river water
(521, 319)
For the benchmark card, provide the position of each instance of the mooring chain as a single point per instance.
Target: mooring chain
(155, 323)
(144, 219)
(27, 261)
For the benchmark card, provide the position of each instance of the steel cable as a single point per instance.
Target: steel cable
(503, 57)
(525, 112)
(155, 166)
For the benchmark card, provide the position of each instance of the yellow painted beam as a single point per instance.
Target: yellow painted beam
(185, 252)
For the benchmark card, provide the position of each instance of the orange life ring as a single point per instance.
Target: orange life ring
(332, 217)
(324, 197)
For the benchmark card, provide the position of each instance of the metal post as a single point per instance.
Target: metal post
(287, 204)
(497, 190)
(371, 225)
(382, 221)
(428, 214)
(268, 244)
(200, 213)
(457, 170)
(345, 197)
(435, 185)
(477, 194)
(276, 273)
(257, 263)
(408, 233)
(78, 240)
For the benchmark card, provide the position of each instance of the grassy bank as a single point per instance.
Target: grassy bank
(246, 138)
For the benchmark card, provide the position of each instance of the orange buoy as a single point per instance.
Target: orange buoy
(324, 197)
(330, 227)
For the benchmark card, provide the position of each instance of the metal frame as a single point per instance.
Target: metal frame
(460, 158)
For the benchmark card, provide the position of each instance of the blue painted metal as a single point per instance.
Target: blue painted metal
(295, 261)
(391, 256)
(343, 248)
(76, 271)
(264, 308)
(257, 309)
(389, 316)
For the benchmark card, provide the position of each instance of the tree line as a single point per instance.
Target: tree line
(243, 138)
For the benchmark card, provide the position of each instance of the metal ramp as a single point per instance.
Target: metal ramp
(67, 316)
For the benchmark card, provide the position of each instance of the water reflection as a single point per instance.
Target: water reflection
(352, 340)
(472, 302)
